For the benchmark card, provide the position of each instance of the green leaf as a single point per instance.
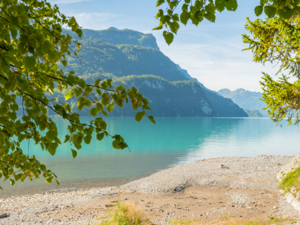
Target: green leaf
(174, 27)
(100, 136)
(64, 62)
(94, 112)
(52, 148)
(43, 167)
(151, 119)
(159, 2)
(220, 5)
(231, 5)
(49, 180)
(29, 62)
(258, 10)
(297, 10)
(74, 153)
(210, 17)
(88, 103)
(270, 11)
(79, 32)
(168, 37)
(184, 17)
(68, 95)
(159, 27)
(87, 139)
(286, 13)
(14, 33)
(12, 182)
(110, 107)
(14, 21)
(20, 79)
(139, 116)
(54, 67)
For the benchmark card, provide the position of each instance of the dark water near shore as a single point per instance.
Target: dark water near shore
(173, 141)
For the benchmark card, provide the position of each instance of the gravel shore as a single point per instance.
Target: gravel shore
(255, 173)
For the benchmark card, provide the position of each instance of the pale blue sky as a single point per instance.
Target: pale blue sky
(210, 52)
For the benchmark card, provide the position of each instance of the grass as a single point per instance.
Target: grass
(127, 214)
(291, 182)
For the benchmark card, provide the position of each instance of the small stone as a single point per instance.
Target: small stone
(224, 167)
(4, 215)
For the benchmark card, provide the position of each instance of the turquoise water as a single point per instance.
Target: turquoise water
(173, 141)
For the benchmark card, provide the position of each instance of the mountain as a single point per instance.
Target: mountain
(167, 99)
(116, 37)
(254, 113)
(133, 58)
(245, 99)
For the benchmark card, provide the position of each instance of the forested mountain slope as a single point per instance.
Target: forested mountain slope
(125, 56)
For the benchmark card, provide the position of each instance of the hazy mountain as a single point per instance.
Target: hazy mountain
(127, 56)
(245, 99)
(254, 113)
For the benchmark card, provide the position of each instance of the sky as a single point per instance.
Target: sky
(211, 52)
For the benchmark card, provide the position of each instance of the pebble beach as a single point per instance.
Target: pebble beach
(256, 174)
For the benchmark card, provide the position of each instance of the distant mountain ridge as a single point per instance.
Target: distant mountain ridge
(247, 100)
(133, 58)
(118, 37)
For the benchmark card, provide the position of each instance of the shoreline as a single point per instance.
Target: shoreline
(249, 175)
(32, 189)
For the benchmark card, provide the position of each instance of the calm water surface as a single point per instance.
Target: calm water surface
(173, 141)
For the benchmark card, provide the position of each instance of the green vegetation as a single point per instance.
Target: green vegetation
(97, 57)
(32, 46)
(276, 40)
(125, 214)
(291, 182)
(173, 12)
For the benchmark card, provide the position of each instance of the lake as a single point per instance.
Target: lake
(171, 142)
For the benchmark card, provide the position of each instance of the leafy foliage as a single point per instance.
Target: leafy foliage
(277, 41)
(198, 10)
(31, 47)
